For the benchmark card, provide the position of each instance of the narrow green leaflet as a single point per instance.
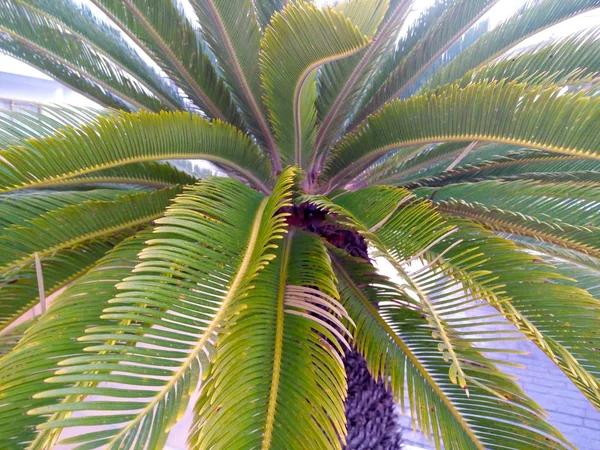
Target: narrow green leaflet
(128, 138)
(367, 15)
(265, 10)
(289, 61)
(570, 61)
(408, 163)
(67, 75)
(10, 338)
(16, 126)
(509, 113)
(457, 19)
(289, 366)
(106, 40)
(518, 164)
(162, 327)
(558, 317)
(558, 203)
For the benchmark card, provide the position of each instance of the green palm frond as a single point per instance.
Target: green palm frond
(71, 225)
(565, 62)
(80, 20)
(413, 163)
(358, 79)
(265, 9)
(406, 43)
(533, 18)
(16, 126)
(42, 33)
(398, 345)
(150, 174)
(289, 70)
(231, 30)
(208, 244)
(585, 239)
(10, 338)
(367, 15)
(140, 137)
(23, 371)
(296, 301)
(507, 113)
(560, 318)
(516, 164)
(215, 224)
(158, 28)
(458, 17)
(18, 208)
(558, 203)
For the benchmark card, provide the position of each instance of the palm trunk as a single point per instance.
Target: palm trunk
(371, 413)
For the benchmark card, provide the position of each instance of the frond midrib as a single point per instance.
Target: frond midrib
(278, 351)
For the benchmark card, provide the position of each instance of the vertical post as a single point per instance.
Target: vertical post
(40, 280)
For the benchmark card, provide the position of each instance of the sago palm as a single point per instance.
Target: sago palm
(346, 138)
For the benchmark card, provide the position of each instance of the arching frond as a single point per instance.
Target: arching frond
(518, 164)
(42, 33)
(290, 366)
(265, 10)
(534, 18)
(408, 164)
(458, 18)
(151, 174)
(105, 39)
(557, 203)
(367, 15)
(495, 112)
(10, 338)
(19, 292)
(195, 272)
(231, 31)
(161, 30)
(585, 239)
(289, 62)
(357, 80)
(565, 62)
(126, 139)
(559, 318)
(398, 346)
(72, 225)
(16, 126)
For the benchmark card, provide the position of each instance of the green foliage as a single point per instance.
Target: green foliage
(233, 299)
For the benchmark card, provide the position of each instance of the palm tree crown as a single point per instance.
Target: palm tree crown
(346, 136)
